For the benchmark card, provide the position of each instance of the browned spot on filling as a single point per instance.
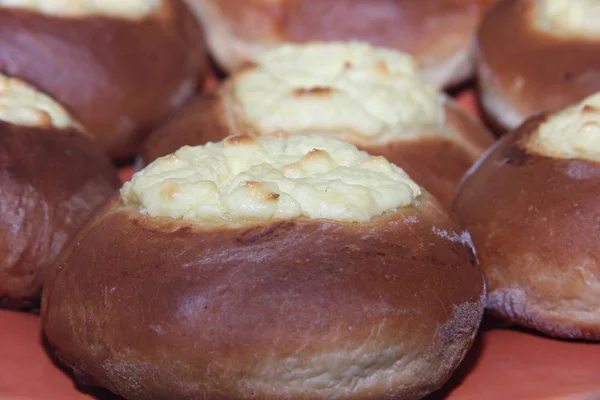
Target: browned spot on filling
(589, 109)
(316, 153)
(261, 190)
(315, 91)
(169, 190)
(253, 184)
(240, 140)
(247, 66)
(591, 125)
(382, 68)
(347, 65)
(44, 118)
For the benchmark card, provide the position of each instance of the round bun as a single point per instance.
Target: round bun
(369, 96)
(52, 178)
(226, 301)
(438, 33)
(531, 206)
(119, 68)
(535, 56)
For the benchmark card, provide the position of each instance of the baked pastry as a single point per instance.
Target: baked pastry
(371, 97)
(439, 33)
(532, 208)
(296, 268)
(119, 67)
(537, 55)
(52, 177)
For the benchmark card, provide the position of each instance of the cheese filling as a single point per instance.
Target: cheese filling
(337, 88)
(247, 178)
(573, 132)
(570, 17)
(22, 104)
(84, 8)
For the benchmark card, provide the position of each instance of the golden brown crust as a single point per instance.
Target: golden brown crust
(322, 308)
(436, 162)
(534, 222)
(436, 31)
(523, 70)
(118, 77)
(51, 182)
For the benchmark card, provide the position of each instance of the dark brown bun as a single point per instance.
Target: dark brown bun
(51, 180)
(534, 220)
(153, 308)
(434, 160)
(439, 33)
(523, 70)
(119, 77)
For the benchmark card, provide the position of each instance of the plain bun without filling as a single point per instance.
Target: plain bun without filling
(438, 33)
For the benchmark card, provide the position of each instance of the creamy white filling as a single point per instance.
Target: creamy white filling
(569, 17)
(84, 8)
(573, 132)
(22, 104)
(340, 88)
(252, 178)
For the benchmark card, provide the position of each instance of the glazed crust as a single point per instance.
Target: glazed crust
(51, 182)
(437, 32)
(523, 70)
(534, 222)
(436, 161)
(321, 308)
(118, 77)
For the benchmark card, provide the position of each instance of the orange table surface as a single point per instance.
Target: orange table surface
(502, 365)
